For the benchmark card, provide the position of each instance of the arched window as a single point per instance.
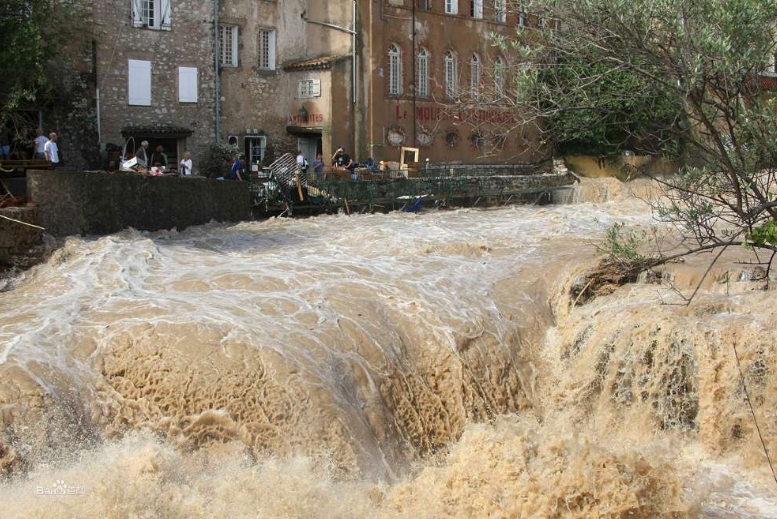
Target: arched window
(474, 78)
(451, 75)
(499, 78)
(422, 88)
(395, 70)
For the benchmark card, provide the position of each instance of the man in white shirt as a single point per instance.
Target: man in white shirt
(51, 150)
(39, 145)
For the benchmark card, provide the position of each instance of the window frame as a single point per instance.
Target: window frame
(162, 12)
(423, 72)
(476, 72)
(451, 6)
(395, 70)
(476, 9)
(499, 78)
(234, 31)
(311, 91)
(500, 11)
(450, 66)
(266, 53)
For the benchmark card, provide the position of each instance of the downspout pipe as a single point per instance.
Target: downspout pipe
(414, 59)
(216, 68)
(353, 82)
(353, 54)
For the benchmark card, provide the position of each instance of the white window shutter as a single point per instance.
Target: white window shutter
(166, 18)
(272, 51)
(187, 84)
(137, 18)
(234, 45)
(315, 88)
(139, 78)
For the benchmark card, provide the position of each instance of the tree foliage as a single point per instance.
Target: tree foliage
(31, 34)
(670, 74)
(217, 159)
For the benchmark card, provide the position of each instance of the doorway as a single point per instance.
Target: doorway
(310, 146)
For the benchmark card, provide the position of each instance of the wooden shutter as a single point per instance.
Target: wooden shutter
(165, 18)
(137, 12)
(187, 84)
(315, 88)
(139, 79)
(271, 51)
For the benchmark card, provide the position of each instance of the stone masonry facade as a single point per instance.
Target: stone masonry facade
(272, 55)
(186, 42)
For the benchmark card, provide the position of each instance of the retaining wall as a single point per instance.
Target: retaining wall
(21, 246)
(96, 202)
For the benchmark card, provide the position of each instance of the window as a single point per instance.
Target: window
(425, 5)
(451, 6)
(139, 79)
(499, 79)
(423, 73)
(307, 88)
(267, 49)
(521, 19)
(151, 14)
(476, 8)
(228, 45)
(500, 11)
(395, 70)
(187, 84)
(451, 75)
(256, 148)
(474, 78)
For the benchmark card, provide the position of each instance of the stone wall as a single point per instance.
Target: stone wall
(77, 202)
(21, 246)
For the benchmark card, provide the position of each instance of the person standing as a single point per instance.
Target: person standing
(185, 166)
(5, 143)
(51, 150)
(158, 158)
(302, 162)
(39, 145)
(318, 167)
(236, 173)
(142, 154)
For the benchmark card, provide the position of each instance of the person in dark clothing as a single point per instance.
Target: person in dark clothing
(318, 167)
(236, 173)
(158, 158)
(342, 160)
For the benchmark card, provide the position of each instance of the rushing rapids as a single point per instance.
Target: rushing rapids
(397, 365)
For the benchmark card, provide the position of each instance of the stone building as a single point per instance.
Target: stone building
(435, 80)
(294, 74)
(155, 74)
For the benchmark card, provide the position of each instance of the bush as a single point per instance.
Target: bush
(217, 159)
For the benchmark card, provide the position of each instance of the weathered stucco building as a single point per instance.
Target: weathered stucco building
(274, 76)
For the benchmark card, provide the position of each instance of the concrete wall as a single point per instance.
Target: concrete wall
(76, 202)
